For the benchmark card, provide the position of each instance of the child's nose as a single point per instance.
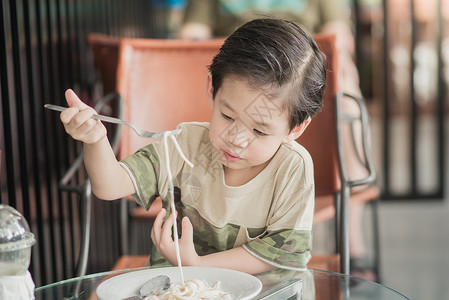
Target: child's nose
(238, 136)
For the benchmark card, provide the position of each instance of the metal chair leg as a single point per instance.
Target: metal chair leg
(337, 204)
(376, 238)
(344, 238)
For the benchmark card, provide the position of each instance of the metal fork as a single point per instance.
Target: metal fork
(140, 132)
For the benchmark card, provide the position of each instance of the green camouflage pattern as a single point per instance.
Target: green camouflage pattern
(144, 165)
(288, 247)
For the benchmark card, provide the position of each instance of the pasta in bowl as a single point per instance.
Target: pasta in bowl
(231, 284)
(192, 289)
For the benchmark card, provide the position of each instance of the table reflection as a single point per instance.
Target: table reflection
(277, 284)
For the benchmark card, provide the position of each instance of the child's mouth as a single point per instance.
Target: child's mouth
(230, 156)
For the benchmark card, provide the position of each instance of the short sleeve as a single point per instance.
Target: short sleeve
(288, 249)
(143, 168)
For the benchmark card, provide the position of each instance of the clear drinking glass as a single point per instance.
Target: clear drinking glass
(16, 240)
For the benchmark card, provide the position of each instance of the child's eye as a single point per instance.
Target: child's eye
(260, 133)
(226, 117)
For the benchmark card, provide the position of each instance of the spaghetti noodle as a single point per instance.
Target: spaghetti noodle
(190, 289)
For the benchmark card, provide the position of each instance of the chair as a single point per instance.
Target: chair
(323, 139)
(105, 50)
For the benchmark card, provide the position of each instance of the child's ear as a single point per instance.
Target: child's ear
(297, 131)
(209, 89)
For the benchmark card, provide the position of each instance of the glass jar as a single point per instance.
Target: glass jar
(16, 240)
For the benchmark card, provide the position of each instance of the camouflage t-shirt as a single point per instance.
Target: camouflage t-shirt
(271, 216)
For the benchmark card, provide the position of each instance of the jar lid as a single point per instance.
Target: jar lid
(15, 233)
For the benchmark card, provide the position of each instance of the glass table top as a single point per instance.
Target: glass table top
(278, 284)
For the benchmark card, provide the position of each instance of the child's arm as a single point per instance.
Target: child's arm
(109, 180)
(237, 258)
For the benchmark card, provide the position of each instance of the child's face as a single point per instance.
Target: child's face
(246, 127)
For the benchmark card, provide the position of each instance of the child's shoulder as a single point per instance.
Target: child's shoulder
(296, 160)
(296, 150)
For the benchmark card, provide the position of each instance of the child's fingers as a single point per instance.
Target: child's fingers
(166, 234)
(83, 117)
(74, 101)
(81, 126)
(78, 112)
(95, 132)
(189, 256)
(187, 230)
(67, 115)
(157, 226)
(79, 118)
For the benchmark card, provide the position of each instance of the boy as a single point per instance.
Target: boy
(248, 202)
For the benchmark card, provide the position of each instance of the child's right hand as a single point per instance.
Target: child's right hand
(78, 122)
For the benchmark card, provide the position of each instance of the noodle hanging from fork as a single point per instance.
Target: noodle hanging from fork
(172, 195)
(190, 289)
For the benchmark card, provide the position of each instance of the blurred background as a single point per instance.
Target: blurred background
(402, 54)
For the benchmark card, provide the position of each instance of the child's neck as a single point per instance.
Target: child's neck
(239, 177)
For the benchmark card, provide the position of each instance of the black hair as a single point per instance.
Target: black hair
(277, 54)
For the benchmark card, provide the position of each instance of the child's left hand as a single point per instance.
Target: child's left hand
(161, 234)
